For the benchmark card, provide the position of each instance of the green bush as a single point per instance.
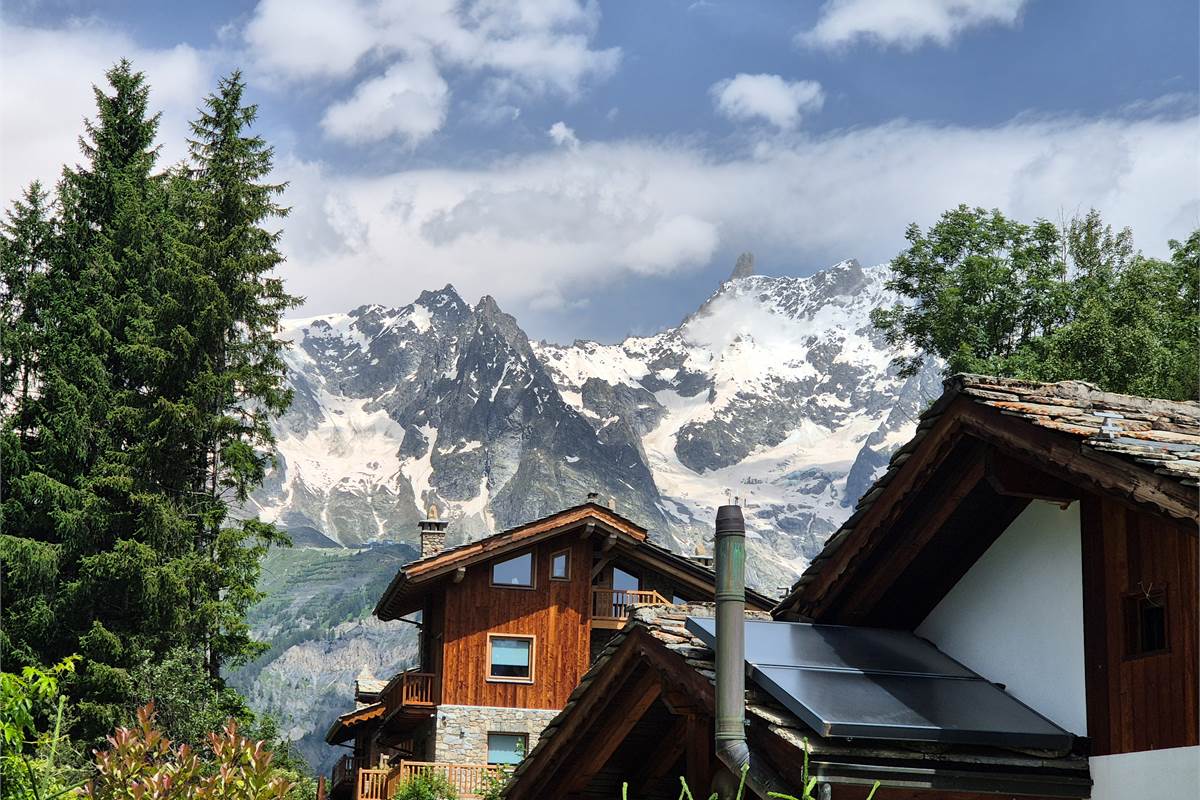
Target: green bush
(426, 787)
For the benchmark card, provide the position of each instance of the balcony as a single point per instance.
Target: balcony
(469, 780)
(410, 690)
(611, 607)
(343, 772)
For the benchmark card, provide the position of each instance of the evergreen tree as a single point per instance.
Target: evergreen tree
(991, 295)
(236, 376)
(137, 405)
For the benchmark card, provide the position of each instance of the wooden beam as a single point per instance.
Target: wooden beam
(1013, 478)
(599, 566)
(853, 599)
(459, 574)
(609, 542)
(700, 749)
(669, 751)
(619, 720)
(1096, 470)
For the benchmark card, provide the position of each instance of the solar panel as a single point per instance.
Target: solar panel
(883, 684)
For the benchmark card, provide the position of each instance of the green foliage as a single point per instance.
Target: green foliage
(425, 786)
(140, 763)
(139, 377)
(995, 296)
(37, 759)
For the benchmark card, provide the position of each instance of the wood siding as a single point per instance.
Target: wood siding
(1142, 702)
(555, 612)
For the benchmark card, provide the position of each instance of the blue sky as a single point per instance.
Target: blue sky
(598, 166)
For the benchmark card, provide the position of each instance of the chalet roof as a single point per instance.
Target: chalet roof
(665, 626)
(1161, 435)
(412, 580)
(1142, 449)
(342, 727)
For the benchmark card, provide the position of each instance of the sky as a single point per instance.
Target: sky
(597, 167)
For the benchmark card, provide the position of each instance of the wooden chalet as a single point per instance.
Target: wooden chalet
(508, 625)
(1044, 536)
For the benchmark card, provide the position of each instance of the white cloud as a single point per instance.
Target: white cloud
(408, 100)
(303, 39)
(563, 135)
(47, 93)
(905, 23)
(545, 228)
(768, 97)
(523, 48)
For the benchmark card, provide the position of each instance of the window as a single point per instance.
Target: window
(514, 572)
(1146, 623)
(510, 658)
(507, 748)
(560, 566)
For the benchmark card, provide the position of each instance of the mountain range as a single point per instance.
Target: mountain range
(777, 390)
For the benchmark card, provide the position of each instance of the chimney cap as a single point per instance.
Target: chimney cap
(593, 497)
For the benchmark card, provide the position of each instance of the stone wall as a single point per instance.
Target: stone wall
(461, 735)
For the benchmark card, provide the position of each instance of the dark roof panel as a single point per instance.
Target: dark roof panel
(883, 684)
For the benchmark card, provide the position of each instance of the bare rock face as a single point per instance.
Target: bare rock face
(777, 390)
(743, 267)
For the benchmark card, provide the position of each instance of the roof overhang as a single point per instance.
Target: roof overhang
(344, 726)
(971, 448)
(405, 593)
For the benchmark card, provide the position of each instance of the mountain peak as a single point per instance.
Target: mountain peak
(744, 267)
(432, 299)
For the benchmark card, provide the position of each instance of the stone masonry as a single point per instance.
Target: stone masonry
(461, 734)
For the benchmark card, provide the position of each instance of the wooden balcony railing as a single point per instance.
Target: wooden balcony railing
(612, 606)
(410, 689)
(372, 784)
(470, 780)
(343, 770)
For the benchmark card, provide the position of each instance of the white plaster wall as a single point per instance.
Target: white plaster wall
(1016, 617)
(1172, 774)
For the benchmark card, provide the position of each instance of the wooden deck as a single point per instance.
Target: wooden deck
(611, 607)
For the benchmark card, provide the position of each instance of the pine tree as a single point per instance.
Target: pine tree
(237, 376)
(146, 316)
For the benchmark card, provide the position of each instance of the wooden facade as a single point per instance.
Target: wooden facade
(554, 612)
(1139, 701)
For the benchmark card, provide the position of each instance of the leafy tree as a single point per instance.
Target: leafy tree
(991, 295)
(37, 756)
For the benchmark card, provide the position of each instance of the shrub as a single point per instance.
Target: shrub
(143, 764)
(426, 787)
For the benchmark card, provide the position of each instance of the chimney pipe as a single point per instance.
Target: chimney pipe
(731, 749)
(433, 533)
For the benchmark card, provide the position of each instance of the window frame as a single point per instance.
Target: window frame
(515, 734)
(532, 572)
(567, 575)
(1131, 612)
(490, 678)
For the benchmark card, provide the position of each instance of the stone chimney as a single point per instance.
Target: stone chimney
(433, 534)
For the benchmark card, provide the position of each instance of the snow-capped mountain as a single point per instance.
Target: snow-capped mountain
(777, 390)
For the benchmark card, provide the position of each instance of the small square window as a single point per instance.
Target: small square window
(510, 658)
(1146, 623)
(560, 566)
(514, 572)
(507, 748)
